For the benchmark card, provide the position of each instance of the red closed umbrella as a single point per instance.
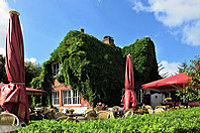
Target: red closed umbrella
(13, 96)
(129, 96)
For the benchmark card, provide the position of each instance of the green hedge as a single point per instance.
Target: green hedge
(185, 120)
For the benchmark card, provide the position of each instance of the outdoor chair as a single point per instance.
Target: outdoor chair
(128, 113)
(103, 115)
(130, 109)
(50, 115)
(9, 119)
(98, 108)
(149, 108)
(59, 114)
(116, 108)
(8, 122)
(158, 110)
(162, 107)
(87, 114)
(111, 114)
(66, 118)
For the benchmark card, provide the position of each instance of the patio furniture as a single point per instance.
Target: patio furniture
(50, 115)
(66, 118)
(87, 114)
(116, 108)
(103, 115)
(149, 108)
(98, 108)
(158, 111)
(8, 122)
(59, 114)
(128, 113)
(162, 107)
(111, 114)
(9, 119)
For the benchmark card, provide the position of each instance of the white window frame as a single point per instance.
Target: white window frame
(72, 93)
(53, 98)
(55, 71)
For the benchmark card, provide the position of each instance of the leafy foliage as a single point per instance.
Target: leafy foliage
(97, 69)
(144, 60)
(192, 91)
(44, 81)
(3, 76)
(32, 70)
(92, 67)
(185, 120)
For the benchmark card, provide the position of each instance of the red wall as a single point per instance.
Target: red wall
(59, 87)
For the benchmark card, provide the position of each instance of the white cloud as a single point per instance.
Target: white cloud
(170, 68)
(191, 34)
(3, 51)
(175, 14)
(4, 15)
(33, 60)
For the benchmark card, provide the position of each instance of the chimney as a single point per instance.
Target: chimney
(108, 40)
(82, 30)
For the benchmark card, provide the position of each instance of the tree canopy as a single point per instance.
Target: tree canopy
(3, 76)
(32, 70)
(192, 90)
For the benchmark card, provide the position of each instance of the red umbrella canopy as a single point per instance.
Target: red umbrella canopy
(129, 96)
(170, 83)
(129, 75)
(13, 96)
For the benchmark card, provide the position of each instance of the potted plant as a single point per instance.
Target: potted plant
(71, 111)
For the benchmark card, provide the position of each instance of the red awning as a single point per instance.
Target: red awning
(171, 83)
(35, 92)
(31, 91)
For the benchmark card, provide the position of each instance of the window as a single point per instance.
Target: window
(139, 95)
(71, 97)
(55, 98)
(55, 68)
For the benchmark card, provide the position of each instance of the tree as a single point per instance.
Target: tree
(160, 68)
(182, 67)
(32, 70)
(3, 76)
(192, 90)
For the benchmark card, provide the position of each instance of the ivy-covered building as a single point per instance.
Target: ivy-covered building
(83, 70)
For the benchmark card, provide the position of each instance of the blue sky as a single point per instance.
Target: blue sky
(173, 25)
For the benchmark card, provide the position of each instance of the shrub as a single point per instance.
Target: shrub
(186, 120)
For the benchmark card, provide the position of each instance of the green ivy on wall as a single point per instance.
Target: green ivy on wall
(97, 69)
(144, 60)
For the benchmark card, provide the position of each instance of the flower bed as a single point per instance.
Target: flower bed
(186, 120)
